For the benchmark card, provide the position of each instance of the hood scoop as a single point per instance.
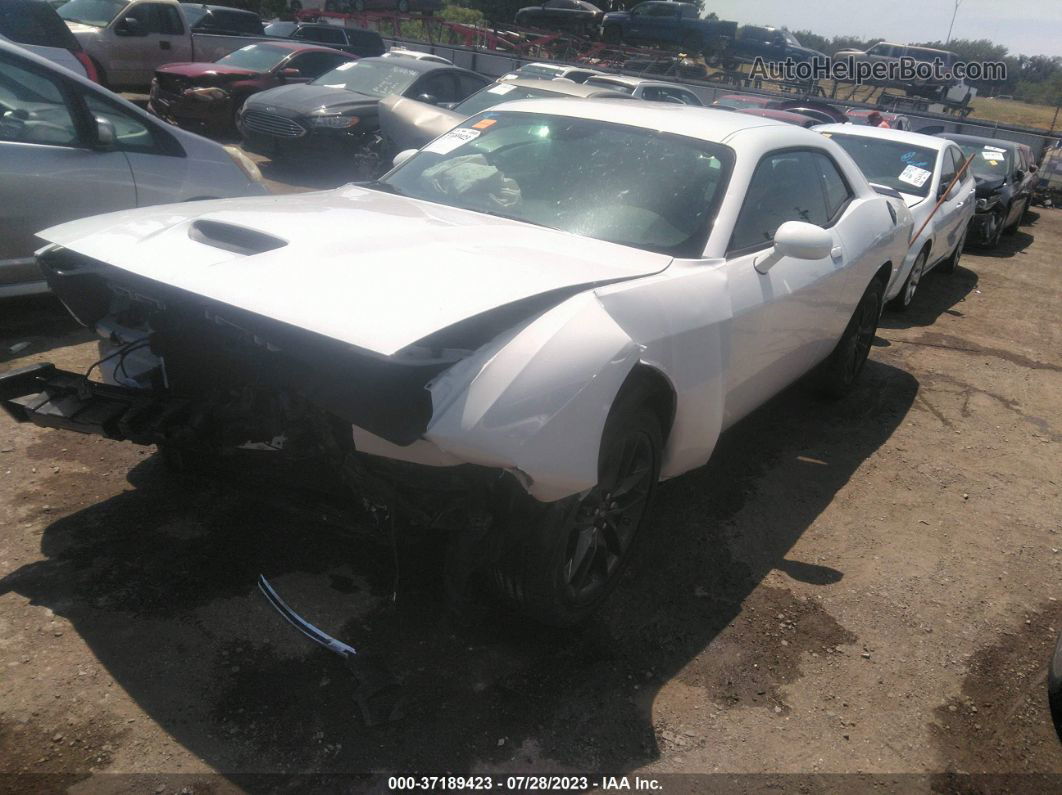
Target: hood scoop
(237, 239)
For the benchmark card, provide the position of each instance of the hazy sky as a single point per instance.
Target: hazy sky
(1028, 27)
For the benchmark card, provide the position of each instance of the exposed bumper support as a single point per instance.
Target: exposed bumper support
(54, 398)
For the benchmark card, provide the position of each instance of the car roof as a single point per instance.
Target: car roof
(706, 124)
(634, 82)
(565, 87)
(285, 44)
(221, 8)
(979, 140)
(416, 64)
(900, 136)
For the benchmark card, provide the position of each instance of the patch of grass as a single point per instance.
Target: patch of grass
(1009, 111)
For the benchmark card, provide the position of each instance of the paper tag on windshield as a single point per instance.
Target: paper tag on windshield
(913, 175)
(502, 89)
(452, 140)
(993, 156)
(995, 148)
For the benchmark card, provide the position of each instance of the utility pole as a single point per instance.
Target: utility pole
(952, 25)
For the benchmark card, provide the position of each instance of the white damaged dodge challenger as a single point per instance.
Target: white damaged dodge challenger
(517, 332)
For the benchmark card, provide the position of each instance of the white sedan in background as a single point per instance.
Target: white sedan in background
(70, 148)
(513, 335)
(920, 168)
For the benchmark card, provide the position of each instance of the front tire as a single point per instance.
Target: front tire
(993, 230)
(838, 374)
(561, 565)
(951, 264)
(903, 299)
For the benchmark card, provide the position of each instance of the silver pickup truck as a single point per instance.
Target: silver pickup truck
(128, 39)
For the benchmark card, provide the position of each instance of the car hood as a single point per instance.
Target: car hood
(205, 68)
(409, 123)
(987, 186)
(371, 269)
(301, 99)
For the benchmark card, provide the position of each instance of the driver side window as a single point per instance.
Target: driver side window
(33, 109)
(786, 186)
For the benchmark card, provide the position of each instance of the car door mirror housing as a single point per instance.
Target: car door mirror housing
(801, 240)
(129, 26)
(289, 73)
(106, 137)
(403, 156)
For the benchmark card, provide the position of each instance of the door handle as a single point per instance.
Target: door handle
(164, 45)
(836, 252)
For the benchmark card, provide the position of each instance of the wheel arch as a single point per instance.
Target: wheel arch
(661, 396)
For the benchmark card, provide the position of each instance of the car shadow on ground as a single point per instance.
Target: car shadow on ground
(938, 294)
(1009, 245)
(159, 582)
(35, 324)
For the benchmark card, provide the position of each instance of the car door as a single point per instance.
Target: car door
(958, 206)
(49, 170)
(158, 37)
(787, 318)
(158, 163)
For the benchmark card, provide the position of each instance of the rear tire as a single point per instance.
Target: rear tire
(558, 565)
(838, 374)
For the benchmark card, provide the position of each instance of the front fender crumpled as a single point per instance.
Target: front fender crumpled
(536, 400)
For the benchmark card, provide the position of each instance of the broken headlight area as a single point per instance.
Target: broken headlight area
(187, 373)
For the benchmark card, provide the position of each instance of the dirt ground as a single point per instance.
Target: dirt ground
(868, 587)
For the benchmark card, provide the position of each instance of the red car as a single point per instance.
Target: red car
(210, 94)
(788, 117)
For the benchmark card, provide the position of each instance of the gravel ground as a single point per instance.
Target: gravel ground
(871, 586)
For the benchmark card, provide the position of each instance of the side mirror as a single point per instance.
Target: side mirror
(403, 156)
(431, 99)
(129, 26)
(289, 73)
(106, 137)
(801, 240)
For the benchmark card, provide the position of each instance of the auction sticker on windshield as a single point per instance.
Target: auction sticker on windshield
(502, 89)
(452, 140)
(913, 175)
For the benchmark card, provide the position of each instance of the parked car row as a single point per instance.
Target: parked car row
(560, 295)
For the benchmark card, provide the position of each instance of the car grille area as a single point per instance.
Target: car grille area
(272, 124)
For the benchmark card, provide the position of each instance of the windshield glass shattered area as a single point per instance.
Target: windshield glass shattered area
(989, 162)
(256, 57)
(374, 78)
(612, 182)
(896, 165)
